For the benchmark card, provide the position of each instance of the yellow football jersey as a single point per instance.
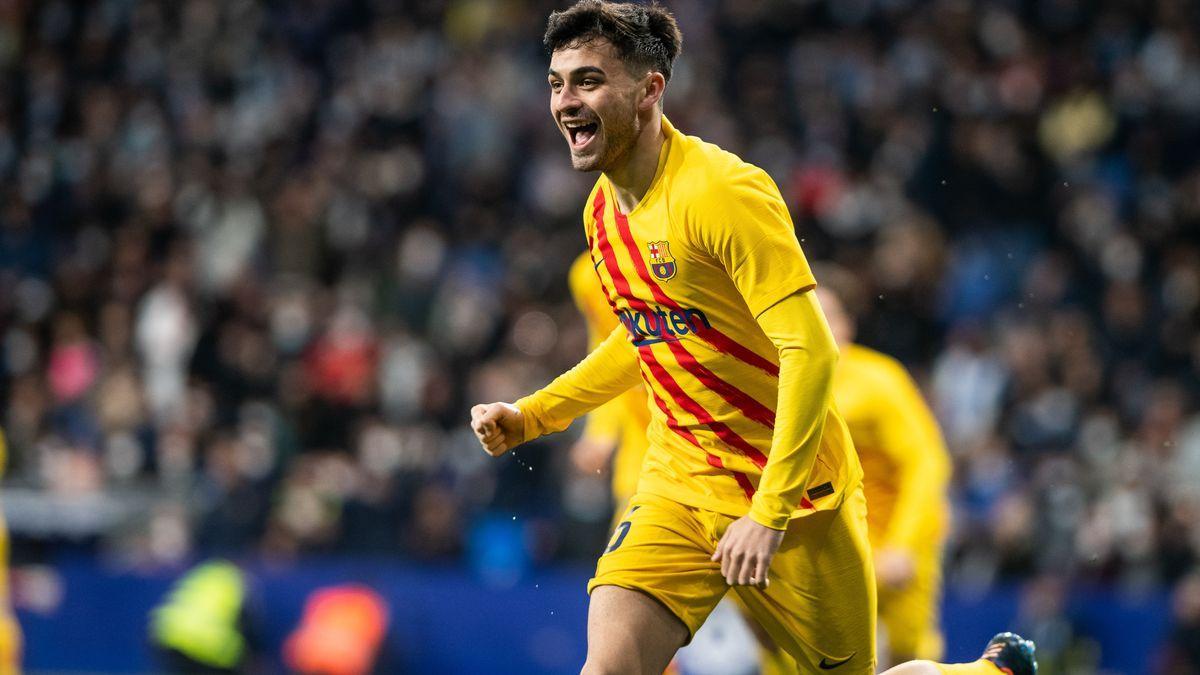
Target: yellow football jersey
(623, 420)
(906, 467)
(709, 247)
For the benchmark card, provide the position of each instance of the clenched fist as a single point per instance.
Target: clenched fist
(500, 427)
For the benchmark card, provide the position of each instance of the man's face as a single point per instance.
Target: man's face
(594, 100)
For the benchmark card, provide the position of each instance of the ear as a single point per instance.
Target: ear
(652, 90)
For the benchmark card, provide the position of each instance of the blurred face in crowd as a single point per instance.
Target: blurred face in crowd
(596, 103)
(840, 321)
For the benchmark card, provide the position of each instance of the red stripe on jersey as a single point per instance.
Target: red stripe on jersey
(720, 341)
(621, 285)
(702, 416)
(732, 395)
(742, 480)
(672, 423)
(597, 215)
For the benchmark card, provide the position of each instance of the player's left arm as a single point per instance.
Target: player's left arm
(742, 221)
(807, 356)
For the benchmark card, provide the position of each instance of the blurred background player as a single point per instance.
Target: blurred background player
(10, 630)
(1005, 654)
(906, 470)
(617, 429)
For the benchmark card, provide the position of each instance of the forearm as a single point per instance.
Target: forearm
(608, 371)
(807, 356)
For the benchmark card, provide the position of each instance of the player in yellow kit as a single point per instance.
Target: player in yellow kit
(10, 630)
(906, 472)
(1005, 654)
(700, 263)
(616, 429)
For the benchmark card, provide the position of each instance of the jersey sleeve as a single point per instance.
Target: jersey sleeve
(807, 355)
(909, 436)
(742, 221)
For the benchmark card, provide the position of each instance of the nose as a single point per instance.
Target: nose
(565, 101)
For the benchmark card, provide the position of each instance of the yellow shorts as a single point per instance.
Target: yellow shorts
(820, 606)
(910, 615)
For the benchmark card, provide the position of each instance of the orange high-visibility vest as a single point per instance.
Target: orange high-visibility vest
(340, 633)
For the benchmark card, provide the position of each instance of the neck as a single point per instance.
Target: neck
(632, 178)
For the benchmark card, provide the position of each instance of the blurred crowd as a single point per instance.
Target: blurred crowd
(257, 259)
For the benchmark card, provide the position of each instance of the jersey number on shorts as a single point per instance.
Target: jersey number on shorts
(618, 536)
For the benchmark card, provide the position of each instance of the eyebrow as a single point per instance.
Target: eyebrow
(581, 70)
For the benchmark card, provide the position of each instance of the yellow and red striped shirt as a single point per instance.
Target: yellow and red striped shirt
(709, 248)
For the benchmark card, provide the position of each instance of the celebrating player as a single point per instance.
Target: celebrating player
(699, 261)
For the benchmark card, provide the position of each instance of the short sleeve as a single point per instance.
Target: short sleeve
(743, 222)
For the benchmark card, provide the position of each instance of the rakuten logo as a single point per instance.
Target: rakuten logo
(660, 325)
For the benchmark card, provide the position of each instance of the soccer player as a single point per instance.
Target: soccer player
(906, 471)
(750, 480)
(1006, 654)
(617, 429)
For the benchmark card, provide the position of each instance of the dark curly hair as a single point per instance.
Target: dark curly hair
(645, 36)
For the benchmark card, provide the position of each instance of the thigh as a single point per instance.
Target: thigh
(663, 550)
(630, 632)
(820, 604)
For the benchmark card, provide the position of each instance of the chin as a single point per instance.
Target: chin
(585, 162)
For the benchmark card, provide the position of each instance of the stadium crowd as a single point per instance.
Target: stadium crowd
(257, 260)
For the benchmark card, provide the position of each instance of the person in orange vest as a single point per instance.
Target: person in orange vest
(341, 632)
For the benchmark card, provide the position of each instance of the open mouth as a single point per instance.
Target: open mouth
(581, 133)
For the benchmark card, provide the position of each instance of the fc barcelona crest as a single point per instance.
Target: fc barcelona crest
(661, 262)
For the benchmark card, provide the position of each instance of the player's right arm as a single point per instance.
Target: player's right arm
(610, 370)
